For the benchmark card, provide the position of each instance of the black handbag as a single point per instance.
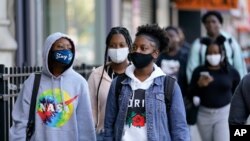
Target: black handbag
(191, 111)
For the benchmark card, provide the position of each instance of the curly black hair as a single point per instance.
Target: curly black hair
(156, 33)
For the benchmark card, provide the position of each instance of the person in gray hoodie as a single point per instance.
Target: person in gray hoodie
(63, 109)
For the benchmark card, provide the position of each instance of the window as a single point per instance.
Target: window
(81, 26)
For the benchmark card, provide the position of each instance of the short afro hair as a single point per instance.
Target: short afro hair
(172, 28)
(155, 32)
(214, 13)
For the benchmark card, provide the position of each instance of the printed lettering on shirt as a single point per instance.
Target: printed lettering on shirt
(136, 109)
(55, 107)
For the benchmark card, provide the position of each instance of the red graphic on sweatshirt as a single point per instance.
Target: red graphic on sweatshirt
(138, 121)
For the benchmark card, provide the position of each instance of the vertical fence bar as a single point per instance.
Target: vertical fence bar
(9, 89)
(6, 91)
(83, 68)
(1, 103)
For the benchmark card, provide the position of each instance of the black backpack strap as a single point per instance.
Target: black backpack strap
(230, 41)
(200, 53)
(118, 85)
(31, 123)
(168, 89)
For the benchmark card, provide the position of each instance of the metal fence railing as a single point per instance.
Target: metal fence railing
(11, 80)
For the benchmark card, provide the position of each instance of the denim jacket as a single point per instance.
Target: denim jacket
(156, 116)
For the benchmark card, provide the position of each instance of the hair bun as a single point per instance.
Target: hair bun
(220, 40)
(206, 41)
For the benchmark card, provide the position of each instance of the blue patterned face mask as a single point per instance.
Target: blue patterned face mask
(63, 56)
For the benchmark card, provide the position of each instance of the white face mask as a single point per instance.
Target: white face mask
(118, 55)
(214, 59)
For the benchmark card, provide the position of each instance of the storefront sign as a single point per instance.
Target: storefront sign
(206, 4)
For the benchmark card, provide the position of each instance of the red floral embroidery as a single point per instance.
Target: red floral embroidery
(138, 121)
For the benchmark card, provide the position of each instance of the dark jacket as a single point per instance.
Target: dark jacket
(240, 106)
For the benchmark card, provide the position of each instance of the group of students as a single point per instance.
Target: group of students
(208, 76)
(125, 98)
(67, 108)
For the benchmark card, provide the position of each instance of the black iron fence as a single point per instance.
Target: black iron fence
(11, 81)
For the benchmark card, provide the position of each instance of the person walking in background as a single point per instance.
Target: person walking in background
(173, 62)
(213, 21)
(185, 46)
(214, 83)
(138, 110)
(118, 44)
(173, 59)
(240, 105)
(63, 109)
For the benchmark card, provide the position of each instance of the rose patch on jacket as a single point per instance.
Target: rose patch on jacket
(55, 107)
(136, 109)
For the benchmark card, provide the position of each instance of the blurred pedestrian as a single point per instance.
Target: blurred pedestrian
(138, 110)
(173, 59)
(118, 44)
(62, 109)
(213, 21)
(240, 105)
(185, 46)
(212, 86)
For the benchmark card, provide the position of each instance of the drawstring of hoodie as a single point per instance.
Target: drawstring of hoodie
(62, 96)
(61, 93)
(53, 93)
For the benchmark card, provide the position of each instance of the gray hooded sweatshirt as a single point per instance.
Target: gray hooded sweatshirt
(63, 109)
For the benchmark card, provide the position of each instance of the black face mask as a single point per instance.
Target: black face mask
(141, 60)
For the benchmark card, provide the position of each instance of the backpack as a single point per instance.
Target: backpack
(168, 89)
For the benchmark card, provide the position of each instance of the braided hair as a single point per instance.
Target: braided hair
(113, 31)
(220, 42)
(117, 30)
(156, 33)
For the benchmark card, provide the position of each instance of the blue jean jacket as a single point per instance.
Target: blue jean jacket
(156, 116)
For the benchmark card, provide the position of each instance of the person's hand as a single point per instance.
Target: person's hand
(204, 80)
(196, 100)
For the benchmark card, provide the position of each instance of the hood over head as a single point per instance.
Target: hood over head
(51, 39)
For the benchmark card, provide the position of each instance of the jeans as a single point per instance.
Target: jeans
(213, 123)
